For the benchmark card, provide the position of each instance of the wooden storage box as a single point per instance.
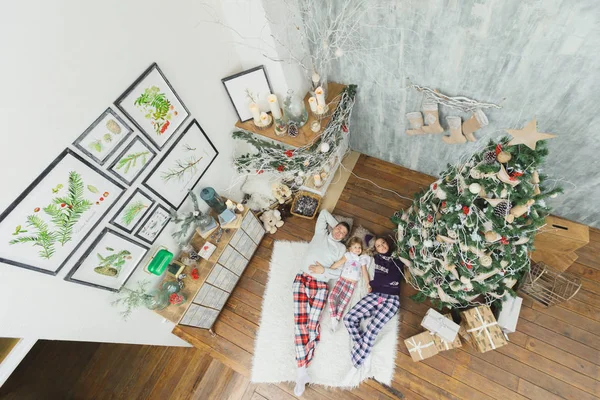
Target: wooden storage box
(561, 236)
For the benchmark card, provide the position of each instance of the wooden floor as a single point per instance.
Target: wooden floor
(555, 353)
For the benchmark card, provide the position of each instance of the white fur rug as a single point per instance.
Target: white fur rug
(274, 355)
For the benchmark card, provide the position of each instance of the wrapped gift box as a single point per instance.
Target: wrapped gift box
(207, 249)
(421, 346)
(443, 345)
(508, 316)
(482, 329)
(440, 326)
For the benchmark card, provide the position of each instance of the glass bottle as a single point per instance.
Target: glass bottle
(214, 201)
(294, 110)
(156, 299)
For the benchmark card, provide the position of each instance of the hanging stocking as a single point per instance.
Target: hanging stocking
(477, 121)
(416, 123)
(456, 135)
(430, 109)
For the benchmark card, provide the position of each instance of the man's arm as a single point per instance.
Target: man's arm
(328, 272)
(325, 218)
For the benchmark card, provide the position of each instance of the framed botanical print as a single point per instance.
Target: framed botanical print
(182, 167)
(46, 224)
(153, 226)
(153, 106)
(108, 262)
(132, 161)
(132, 211)
(102, 138)
(251, 86)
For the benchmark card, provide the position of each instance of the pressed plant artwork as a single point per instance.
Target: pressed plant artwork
(132, 211)
(108, 261)
(132, 161)
(42, 228)
(153, 226)
(102, 138)
(153, 106)
(182, 167)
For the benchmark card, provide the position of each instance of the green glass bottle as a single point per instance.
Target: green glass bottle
(215, 201)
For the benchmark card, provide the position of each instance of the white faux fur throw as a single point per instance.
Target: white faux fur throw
(274, 355)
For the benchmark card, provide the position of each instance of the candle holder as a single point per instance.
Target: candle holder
(315, 126)
(321, 115)
(260, 125)
(280, 127)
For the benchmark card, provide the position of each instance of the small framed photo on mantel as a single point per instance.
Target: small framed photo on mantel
(251, 86)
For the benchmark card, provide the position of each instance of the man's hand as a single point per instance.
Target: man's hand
(316, 268)
(369, 289)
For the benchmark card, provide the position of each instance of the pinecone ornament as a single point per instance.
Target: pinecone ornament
(113, 127)
(489, 157)
(292, 130)
(502, 209)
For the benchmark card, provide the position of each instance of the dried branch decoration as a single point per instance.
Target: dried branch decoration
(458, 103)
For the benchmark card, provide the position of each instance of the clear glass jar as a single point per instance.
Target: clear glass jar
(157, 299)
(294, 110)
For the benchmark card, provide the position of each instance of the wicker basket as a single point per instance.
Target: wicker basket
(306, 194)
(548, 286)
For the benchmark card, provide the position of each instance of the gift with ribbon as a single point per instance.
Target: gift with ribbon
(485, 334)
(443, 345)
(440, 326)
(421, 346)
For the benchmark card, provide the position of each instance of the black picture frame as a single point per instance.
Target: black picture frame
(157, 166)
(123, 228)
(69, 276)
(36, 182)
(84, 150)
(149, 136)
(238, 75)
(143, 239)
(118, 158)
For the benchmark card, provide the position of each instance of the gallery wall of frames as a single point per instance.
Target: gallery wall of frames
(142, 153)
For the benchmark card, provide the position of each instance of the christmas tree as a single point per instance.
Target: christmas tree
(465, 240)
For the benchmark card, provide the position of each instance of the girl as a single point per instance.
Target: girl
(353, 261)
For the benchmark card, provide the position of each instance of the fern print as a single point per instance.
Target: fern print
(130, 160)
(157, 108)
(132, 211)
(42, 238)
(66, 211)
(111, 265)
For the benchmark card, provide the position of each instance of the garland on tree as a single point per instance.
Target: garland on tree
(306, 160)
(465, 240)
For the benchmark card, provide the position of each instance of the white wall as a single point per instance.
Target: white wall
(62, 63)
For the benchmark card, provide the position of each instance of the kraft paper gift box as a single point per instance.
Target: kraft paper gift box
(508, 316)
(421, 346)
(482, 329)
(443, 345)
(440, 326)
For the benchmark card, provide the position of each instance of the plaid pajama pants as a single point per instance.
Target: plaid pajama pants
(339, 297)
(381, 308)
(309, 301)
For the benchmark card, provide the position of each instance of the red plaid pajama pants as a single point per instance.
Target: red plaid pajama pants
(309, 301)
(339, 297)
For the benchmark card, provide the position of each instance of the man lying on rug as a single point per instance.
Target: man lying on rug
(310, 290)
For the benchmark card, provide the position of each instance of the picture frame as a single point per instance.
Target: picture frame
(153, 106)
(133, 211)
(98, 140)
(45, 225)
(132, 161)
(182, 166)
(246, 87)
(154, 224)
(108, 262)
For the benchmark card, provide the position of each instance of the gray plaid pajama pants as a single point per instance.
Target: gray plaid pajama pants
(380, 308)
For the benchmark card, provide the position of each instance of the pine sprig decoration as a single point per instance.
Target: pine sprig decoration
(185, 221)
(130, 160)
(132, 298)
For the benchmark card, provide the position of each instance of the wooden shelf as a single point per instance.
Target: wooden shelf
(305, 135)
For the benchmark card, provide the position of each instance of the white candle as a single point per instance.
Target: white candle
(264, 118)
(312, 102)
(317, 179)
(320, 109)
(255, 112)
(320, 96)
(274, 106)
(315, 78)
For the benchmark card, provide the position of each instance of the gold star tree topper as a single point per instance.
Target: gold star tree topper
(528, 135)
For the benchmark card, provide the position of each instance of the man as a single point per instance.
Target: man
(310, 290)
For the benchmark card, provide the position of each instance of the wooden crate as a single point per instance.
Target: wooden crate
(306, 194)
(559, 261)
(561, 236)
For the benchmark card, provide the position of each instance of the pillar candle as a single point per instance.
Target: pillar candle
(320, 109)
(274, 106)
(255, 112)
(264, 118)
(320, 96)
(317, 179)
(312, 102)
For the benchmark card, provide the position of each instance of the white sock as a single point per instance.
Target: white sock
(350, 376)
(302, 379)
(334, 324)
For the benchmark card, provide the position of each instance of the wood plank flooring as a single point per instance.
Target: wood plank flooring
(554, 354)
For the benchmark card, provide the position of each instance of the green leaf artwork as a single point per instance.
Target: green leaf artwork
(96, 145)
(132, 211)
(130, 160)
(57, 188)
(111, 264)
(156, 107)
(42, 237)
(107, 138)
(92, 188)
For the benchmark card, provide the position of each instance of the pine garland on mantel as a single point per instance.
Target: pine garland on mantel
(304, 160)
